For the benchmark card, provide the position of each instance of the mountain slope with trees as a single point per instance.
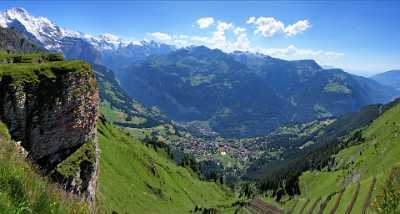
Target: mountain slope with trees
(366, 165)
(352, 171)
(243, 94)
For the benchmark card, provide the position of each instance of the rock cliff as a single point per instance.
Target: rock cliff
(51, 106)
(12, 40)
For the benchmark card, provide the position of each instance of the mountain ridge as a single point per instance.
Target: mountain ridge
(389, 78)
(203, 84)
(77, 45)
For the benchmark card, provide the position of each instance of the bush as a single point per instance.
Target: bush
(388, 200)
(55, 57)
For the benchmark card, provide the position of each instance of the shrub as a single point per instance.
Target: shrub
(55, 57)
(388, 200)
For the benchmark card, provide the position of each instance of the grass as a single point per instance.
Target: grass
(388, 199)
(40, 57)
(337, 88)
(116, 115)
(36, 66)
(35, 72)
(363, 161)
(70, 166)
(353, 199)
(135, 178)
(4, 132)
(22, 190)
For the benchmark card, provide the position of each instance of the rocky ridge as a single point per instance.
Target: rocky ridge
(51, 107)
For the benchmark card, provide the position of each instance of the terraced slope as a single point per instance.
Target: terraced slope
(258, 206)
(135, 178)
(361, 170)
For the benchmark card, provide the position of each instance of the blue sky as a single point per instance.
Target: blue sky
(361, 37)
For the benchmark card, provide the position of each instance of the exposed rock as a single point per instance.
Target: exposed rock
(52, 109)
(12, 40)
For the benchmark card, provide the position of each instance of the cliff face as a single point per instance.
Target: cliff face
(52, 109)
(12, 40)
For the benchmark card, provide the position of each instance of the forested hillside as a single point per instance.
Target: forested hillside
(244, 94)
(359, 177)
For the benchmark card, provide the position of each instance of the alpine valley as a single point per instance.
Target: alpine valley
(100, 124)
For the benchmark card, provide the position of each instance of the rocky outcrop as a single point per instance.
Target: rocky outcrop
(12, 40)
(52, 109)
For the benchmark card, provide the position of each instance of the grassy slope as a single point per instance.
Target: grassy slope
(118, 107)
(22, 190)
(375, 157)
(137, 179)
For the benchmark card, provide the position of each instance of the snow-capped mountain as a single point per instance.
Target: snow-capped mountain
(50, 34)
(41, 28)
(107, 49)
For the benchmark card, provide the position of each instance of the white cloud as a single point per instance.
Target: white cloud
(297, 27)
(269, 26)
(205, 22)
(162, 37)
(229, 38)
(238, 39)
(251, 20)
(223, 26)
(218, 39)
(242, 43)
(292, 52)
(239, 30)
(199, 39)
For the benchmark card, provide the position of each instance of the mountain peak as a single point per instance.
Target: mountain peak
(307, 63)
(41, 28)
(393, 71)
(50, 34)
(18, 10)
(110, 37)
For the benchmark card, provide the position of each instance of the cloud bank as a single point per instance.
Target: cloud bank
(269, 26)
(229, 37)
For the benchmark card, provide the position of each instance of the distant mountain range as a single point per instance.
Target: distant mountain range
(105, 49)
(235, 94)
(246, 94)
(389, 78)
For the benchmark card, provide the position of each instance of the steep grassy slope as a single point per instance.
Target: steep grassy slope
(356, 167)
(118, 107)
(137, 179)
(22, 190)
